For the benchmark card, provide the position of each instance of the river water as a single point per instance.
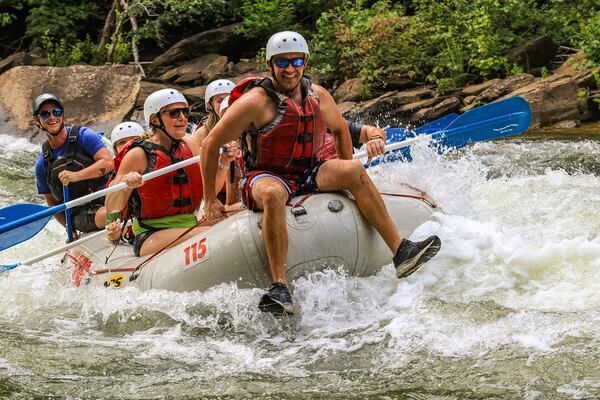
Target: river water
(509, 309)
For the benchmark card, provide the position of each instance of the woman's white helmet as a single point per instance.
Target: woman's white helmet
(125, 130)
(224, 105)
(286, 42)
(157, 100)
(217, 87)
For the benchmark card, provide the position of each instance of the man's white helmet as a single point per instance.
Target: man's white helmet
(125, 130)
(224, 105)
(157, 100)
(214, 88)
(286, 42)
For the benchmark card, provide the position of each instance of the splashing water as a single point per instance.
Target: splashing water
(510, 308)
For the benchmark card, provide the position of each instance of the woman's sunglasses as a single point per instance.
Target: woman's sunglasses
(57, 112)
(284, 62)
(174, 112)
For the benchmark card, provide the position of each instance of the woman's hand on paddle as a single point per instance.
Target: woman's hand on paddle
(133, 180)
(214, 211)
(113, 230)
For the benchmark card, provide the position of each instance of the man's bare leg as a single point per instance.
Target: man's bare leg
(352, 176)
(271, 196)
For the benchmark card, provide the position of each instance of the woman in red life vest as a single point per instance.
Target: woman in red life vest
(216, 92)
(163, 207)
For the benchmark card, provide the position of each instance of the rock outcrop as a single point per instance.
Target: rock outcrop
(99, 97)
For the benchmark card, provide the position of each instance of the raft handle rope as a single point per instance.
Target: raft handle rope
(423, 198)
(136, 271)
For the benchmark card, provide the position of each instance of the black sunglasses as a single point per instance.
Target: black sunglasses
(284, 62)
(174, 112)
(57, 112)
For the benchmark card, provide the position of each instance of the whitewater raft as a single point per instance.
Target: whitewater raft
(325, 230)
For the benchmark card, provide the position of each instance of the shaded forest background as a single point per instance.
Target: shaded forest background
(431, 41)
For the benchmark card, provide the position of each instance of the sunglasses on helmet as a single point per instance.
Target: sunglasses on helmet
(57, 112)
(174, 112)
(284, 62)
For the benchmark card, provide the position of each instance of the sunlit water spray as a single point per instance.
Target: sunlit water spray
(510, 308)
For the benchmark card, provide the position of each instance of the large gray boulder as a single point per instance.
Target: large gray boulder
(98, 97)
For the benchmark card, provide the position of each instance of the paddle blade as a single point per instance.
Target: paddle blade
(15, 235)
(395, 135)
(492, 121)
(4, 268)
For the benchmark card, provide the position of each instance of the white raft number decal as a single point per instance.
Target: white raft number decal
(195, 253)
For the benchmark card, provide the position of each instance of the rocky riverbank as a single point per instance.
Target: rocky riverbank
(102, 96)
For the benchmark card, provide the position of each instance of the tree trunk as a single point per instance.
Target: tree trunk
(108, 23)
(115, 37)
(134, 29)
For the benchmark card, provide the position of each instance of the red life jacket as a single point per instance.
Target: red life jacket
(329, 148)
(178, 192)
(293, 140)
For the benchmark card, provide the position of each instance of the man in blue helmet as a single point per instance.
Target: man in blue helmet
(72, 156)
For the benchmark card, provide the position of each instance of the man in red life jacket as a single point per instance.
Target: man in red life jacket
(283, 122)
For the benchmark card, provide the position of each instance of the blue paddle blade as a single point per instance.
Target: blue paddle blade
(4, 268)
(395, 135)
(33, 221)
(495, 120)
(437, 125)
(491, 121)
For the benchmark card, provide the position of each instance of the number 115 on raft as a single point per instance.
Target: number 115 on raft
(195, 253)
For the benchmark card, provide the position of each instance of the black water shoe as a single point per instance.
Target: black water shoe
(277, 301)
(411, 255)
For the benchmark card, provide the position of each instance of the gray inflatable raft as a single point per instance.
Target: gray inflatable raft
(326, 230)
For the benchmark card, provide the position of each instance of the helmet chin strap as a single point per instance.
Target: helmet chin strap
(163, 129)
(41, 127)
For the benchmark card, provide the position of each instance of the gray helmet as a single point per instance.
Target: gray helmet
(44, 98)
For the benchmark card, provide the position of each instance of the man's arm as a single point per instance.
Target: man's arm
(370, 132)
(374, 139)
(197, 150)
(335, 122)
(249, 111)
(103, 162)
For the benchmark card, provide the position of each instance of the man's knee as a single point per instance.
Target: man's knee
(274, 195)
(269, 194)
(350, 172)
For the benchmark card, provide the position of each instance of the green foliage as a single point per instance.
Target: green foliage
(164, 20)
(281, 14)
(590, 39)
(371, 43)
(445, 85)
(8, 8)
(122, 51)
(596, 75)
(61, 54)
(262, 18)
(545, 73)
(260, 59)
(67, 20)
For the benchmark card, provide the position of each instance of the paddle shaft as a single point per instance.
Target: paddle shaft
(92, 196)
(66, 247)
(68, 222)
